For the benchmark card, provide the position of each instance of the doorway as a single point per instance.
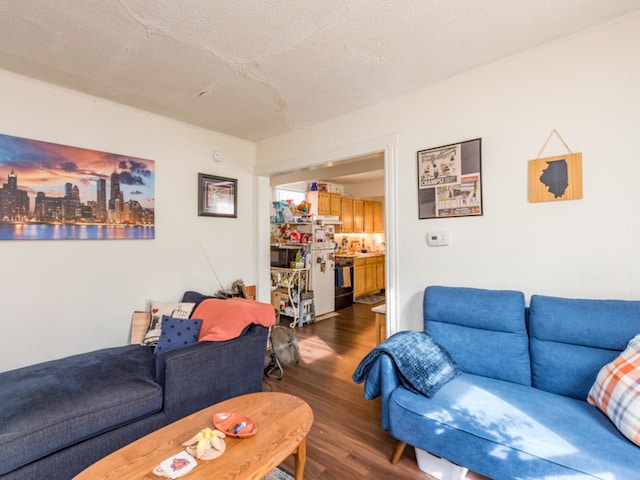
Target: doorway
(374, 155)
(358, 232)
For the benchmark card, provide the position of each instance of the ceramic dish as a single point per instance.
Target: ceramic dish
(209, 453)
(234, 424)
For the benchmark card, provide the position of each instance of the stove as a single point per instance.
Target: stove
(344, 282)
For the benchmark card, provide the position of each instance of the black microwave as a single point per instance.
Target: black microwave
(281, 257)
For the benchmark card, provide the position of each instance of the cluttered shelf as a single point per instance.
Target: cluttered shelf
(288, 286)
(290, 244)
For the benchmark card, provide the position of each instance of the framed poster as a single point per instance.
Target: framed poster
(217, 196)
(61, 192)
(450, 180)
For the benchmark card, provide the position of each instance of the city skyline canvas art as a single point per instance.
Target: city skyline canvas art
(59, 192)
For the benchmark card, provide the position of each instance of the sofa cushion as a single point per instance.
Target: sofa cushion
(483, 330)
(510, 431)
(177, 332)
(571, 339)
(51, 405)
(616, 391)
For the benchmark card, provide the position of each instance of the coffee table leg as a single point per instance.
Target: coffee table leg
(301, 459)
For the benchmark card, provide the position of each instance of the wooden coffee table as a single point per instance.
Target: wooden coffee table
(283, 422)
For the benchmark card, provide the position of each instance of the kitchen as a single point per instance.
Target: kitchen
(327, 242)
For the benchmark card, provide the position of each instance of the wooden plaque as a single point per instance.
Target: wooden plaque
(555, 178)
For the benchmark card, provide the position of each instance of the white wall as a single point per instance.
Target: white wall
(64, 297)
(586, 87)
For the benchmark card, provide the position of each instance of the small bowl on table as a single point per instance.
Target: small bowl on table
(229, 423)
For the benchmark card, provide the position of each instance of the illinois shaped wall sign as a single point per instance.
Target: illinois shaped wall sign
(555, 178)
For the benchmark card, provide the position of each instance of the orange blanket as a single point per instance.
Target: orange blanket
(226, 319)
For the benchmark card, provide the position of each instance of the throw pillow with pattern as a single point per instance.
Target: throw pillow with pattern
(158, 309)
(616, 391)
(177, 333)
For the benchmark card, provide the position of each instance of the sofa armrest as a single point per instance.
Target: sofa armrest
(388, 383)
(200, 375)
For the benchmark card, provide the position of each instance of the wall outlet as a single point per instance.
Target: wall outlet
(438, 239)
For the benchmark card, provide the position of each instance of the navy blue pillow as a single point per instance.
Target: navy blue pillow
(177, 332)
(194, 297)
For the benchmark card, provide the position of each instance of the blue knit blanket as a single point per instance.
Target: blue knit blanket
(422, 365)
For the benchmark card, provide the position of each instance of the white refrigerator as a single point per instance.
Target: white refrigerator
(323, 280)
(322, 269)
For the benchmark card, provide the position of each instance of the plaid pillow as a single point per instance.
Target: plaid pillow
(616, 391)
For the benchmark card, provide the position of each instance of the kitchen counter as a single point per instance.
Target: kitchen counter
(360, 255)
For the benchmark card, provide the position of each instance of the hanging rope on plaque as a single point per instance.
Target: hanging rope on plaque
(549, 138)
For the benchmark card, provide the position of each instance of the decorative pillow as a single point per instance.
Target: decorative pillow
(158, 309)
(177, 332)
(196, 297)
(616, 391)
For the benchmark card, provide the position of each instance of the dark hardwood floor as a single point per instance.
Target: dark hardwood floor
(346, 441)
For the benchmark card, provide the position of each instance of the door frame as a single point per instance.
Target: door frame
(387, 144)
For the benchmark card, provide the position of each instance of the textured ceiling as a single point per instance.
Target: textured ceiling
(258, 68)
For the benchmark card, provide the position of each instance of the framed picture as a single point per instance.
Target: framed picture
(62, 192)
(450, 180)
(217, 196)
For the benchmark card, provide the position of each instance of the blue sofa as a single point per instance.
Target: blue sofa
(59, 417)
(518, 408)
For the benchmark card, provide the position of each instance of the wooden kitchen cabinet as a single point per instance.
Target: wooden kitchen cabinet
(358, 216)
(378, 223)
(320, 202)
(361, 216)
(346, 215)
(368, 275)
(368, 216)
(335, 204)
(324, 203)
(370, 266)
(359, 277)
(380, 272)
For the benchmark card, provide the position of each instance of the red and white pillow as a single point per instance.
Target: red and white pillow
(616, 391)
(158, 309)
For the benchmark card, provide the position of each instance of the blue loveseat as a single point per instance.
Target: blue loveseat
(518, 408)
(59, 417)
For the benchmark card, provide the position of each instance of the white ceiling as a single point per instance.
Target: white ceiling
(363, 169)
(258, 68)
